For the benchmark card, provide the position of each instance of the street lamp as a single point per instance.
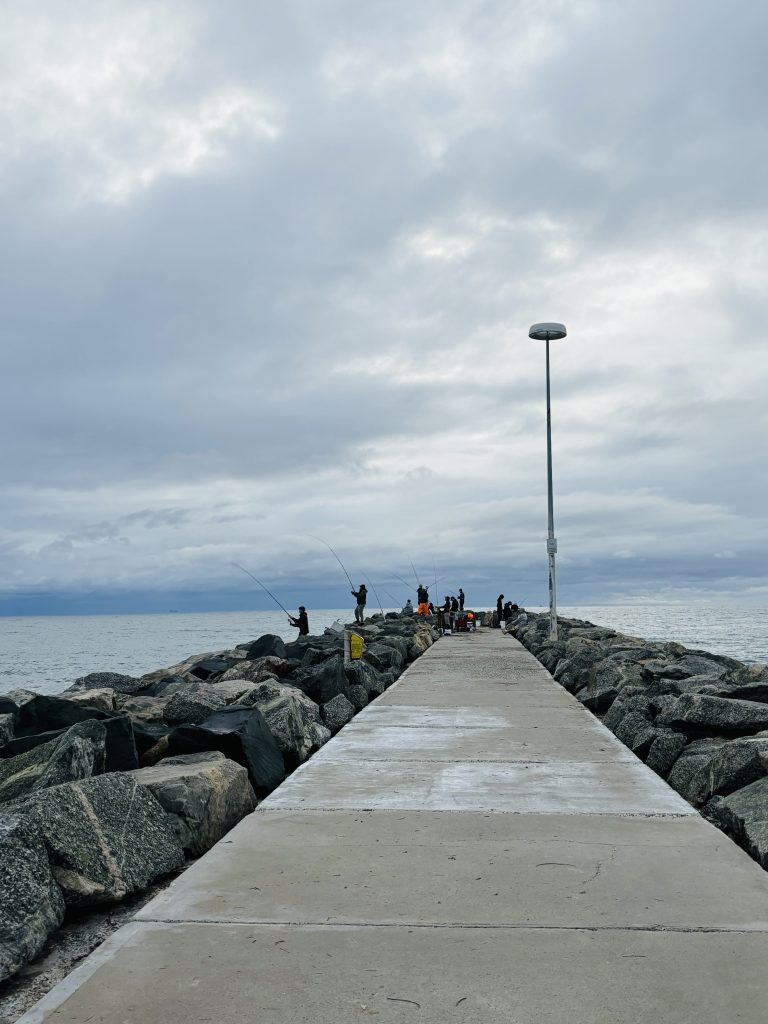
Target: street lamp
(550, 332)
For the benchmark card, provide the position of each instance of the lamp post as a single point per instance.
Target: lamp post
(550, 332)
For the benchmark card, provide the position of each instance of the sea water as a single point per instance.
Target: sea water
(48, 653)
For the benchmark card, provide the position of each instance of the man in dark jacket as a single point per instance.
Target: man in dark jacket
(499, 610)
(302, 622)
(461, 600)
(361, 596)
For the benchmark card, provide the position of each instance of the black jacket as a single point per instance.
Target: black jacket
(302, 622)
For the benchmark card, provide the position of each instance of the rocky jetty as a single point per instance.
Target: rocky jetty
(699, 720)
(113, 783)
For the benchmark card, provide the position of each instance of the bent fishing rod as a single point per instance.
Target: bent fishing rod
(264, 588)
(325, 542)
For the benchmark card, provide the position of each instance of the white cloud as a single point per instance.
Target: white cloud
(273, 268)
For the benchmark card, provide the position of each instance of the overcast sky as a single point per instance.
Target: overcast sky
(268, 271)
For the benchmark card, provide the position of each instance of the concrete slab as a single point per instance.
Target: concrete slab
(522, 788)
(471, 869)
(481, 695)
(455, 716)
(189, 974)
(377, 742)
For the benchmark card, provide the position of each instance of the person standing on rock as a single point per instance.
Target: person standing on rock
(302, 622)
(461, 600)
(361, 596)
(423, 598)
(499, 610)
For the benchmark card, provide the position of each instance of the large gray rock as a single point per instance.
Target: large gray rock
(76, 754)
(191, 708)
(103, 699)
(744, 815)
(551, 653)
(607, 679)
(337, 712)
(694, 712)
(267, 645)
(230, 690)
(358, 696)
(398, 643)
(205, 795)
(636, 732)
(360, 673)
(210, 668)
(292, 717)
(45, 718)
(690, 775)
(737, 764)
(107, 680)
(106, 837)
(254, 671)
(184, 668)
(664, 751)
(383, 657)
(31, 904)
(573, 671)
(325, 681)
(630, 700)
(701, 664)
(142, 709)
(240, 733)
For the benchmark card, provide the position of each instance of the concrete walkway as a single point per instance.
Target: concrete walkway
(474, 847)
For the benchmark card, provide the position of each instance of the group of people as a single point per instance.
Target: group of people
(509, 616)
(425, 607)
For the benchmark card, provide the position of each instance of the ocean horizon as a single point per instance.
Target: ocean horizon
(47, 653)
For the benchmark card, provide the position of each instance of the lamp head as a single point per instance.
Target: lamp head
(547, 332)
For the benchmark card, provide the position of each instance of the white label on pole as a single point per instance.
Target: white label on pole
(551, 546)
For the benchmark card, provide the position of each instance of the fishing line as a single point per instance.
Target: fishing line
(381, 609)
(264, 588)
(404, 582)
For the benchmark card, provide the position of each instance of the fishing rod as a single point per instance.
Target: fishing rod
(415, 574)
(381, 609)
(335, 556)
(264, 588)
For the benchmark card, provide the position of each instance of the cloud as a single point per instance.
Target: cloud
(269, 270)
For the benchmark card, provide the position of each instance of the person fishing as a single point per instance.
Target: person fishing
(422, 594)
(407, 608)
(302, 622)
(499, 610)
(361, 596)
(461, 600)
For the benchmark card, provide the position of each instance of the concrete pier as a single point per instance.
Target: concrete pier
(473, 847)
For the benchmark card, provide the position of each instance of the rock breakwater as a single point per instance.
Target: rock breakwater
(113, 783)
(699, 720)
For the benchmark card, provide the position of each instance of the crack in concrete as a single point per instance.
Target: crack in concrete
(472, 925)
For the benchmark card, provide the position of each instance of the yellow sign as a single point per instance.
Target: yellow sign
(356, 644)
